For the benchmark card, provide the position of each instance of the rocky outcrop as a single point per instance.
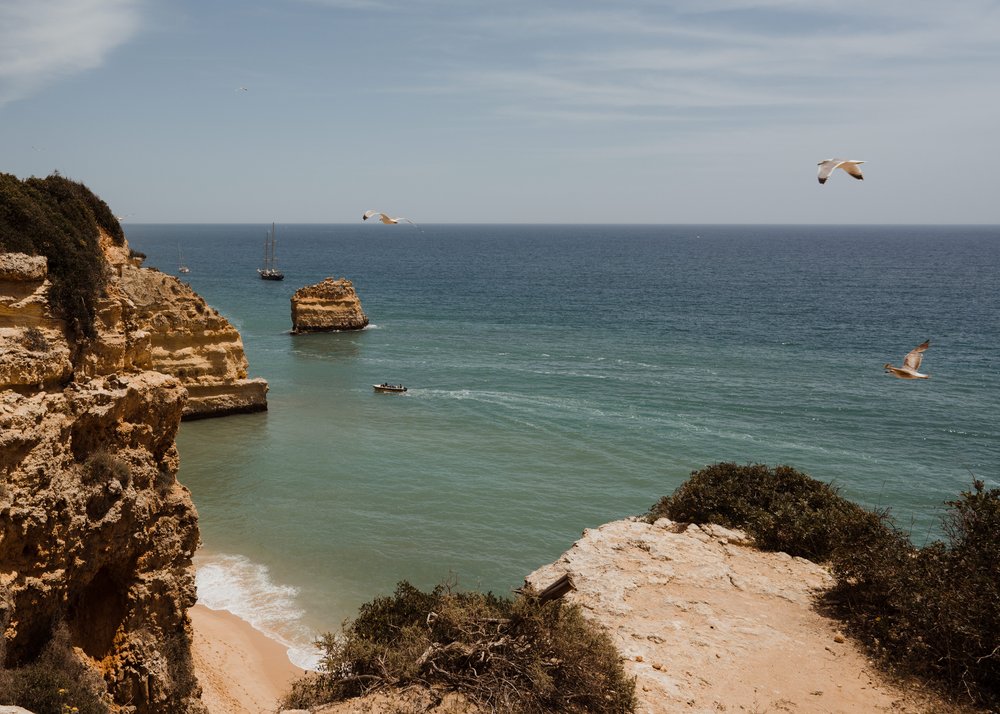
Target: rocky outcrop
(706, 623)
(191, 341)
(327, 306)
(34, 352)
(146, 320)
(96, 533)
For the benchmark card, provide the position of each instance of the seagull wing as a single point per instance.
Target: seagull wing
(826, 168)
(853, 168)
(368, 214)
(912, 360)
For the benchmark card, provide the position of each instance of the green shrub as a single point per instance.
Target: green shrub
(781, 509)
(55, 683)
(59, 219)
(517, 656)
(934, 610)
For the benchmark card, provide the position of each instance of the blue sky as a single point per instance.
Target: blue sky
(574, 111)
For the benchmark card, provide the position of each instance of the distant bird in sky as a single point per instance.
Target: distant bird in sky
(389, 220)
(240, 89)
(849, 165)
(911, 363)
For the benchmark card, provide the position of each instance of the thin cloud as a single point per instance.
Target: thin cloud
(44, 40)
(716, 54)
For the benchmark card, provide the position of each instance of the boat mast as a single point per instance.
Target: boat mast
(274, 240)
(265, 251)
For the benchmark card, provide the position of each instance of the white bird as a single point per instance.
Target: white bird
(911, 363)
(388, 220)
(849, 165)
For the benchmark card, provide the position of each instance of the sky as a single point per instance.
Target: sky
(510, 111)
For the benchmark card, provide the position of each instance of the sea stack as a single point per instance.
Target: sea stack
(327, 306)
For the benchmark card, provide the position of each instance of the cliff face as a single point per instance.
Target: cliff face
(327, 306)
(191, 341)
(151, 320)
(95, 531)
(34, 352)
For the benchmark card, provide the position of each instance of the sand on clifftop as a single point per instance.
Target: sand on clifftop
(707, 623)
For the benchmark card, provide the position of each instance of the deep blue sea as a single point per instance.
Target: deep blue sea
(561, 377)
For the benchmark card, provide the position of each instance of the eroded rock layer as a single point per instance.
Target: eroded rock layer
(327, 306)
(96, 535)
(191, 341)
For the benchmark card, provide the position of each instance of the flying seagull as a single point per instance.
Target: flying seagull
(849, 165)
(388, 220)
(911, 363)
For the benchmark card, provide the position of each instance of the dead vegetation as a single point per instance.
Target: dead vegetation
(520, 656)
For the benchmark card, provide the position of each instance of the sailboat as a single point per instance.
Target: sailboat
(181, 267)
(270, 270)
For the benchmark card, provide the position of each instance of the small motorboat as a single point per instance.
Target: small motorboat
(385, 387)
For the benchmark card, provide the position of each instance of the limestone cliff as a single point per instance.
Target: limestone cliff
(34, 352)
(95, 531)
(151, 320)
(193, 342)
(327, 306)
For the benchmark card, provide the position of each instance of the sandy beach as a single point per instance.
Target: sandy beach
(241, 670)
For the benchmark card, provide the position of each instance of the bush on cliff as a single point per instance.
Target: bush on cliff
(932, 611)
(59, 219)
(55, 683)
(518, 656)
(781, 508)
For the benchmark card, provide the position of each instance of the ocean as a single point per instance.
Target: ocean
(561, 377)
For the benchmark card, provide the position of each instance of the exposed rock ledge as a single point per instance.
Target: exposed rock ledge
(147, 320)
(193, 342)
(707, 624)
(327, 306)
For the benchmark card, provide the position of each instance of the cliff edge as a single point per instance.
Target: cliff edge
(707, 623)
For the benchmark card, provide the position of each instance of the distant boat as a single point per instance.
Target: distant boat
(181, 267)
(388, 387)
(270, 270)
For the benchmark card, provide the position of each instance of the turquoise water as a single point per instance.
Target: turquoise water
(561, 377)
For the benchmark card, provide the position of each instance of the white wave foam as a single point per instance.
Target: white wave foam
(238, 585)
